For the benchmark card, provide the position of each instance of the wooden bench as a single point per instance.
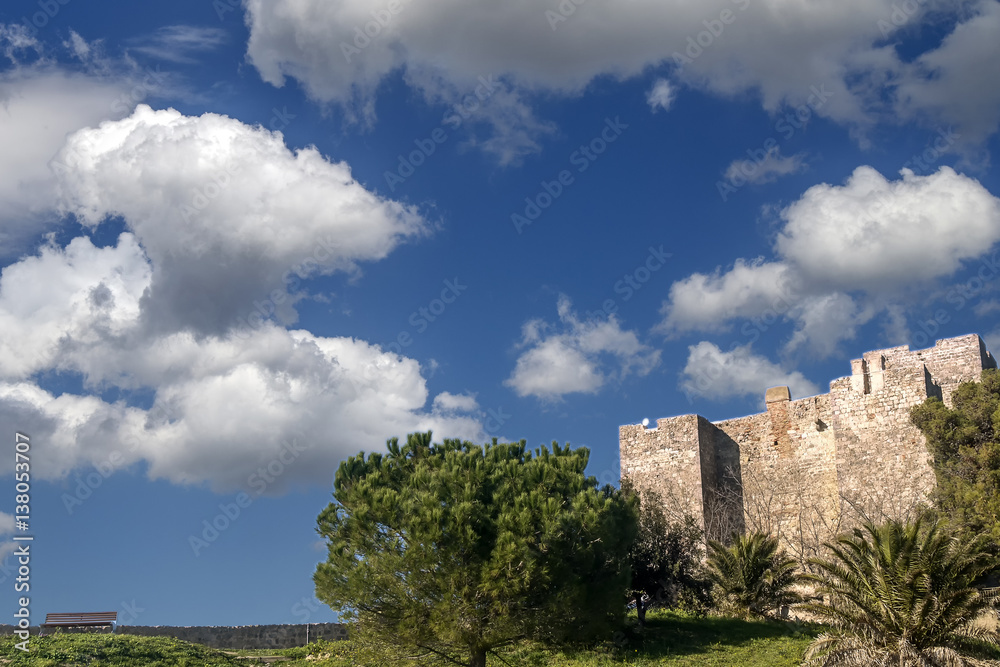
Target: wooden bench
(82, 619)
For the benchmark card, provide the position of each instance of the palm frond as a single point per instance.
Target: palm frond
(900, 594)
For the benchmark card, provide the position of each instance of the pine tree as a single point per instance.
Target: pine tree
(447, 552)
(965, 443)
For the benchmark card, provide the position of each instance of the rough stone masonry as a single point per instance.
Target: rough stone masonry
(809, 468)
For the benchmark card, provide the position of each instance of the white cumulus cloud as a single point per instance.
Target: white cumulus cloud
(949, 83)
(709, 301)
(577, 355)
(845, 253)
(714, 374)
(780, 50)
(40, 107)
(448, 402)
(217, 213)
(225, 210)
(876, 234)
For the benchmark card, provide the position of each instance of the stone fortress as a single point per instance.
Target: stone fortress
(809, 468)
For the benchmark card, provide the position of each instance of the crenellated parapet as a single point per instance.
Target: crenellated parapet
(808, 468)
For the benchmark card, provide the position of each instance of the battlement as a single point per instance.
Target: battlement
(812, 465)
(949, 363)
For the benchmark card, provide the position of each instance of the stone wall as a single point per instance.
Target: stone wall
(235, 637)
(883, 465)
(788, 472)
(243, 636)
(810, 468)
(666, 459)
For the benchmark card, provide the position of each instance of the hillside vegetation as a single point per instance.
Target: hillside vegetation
(107, 650)
(671, 639)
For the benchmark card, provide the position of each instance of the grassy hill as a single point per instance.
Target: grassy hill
(107, 650)
(671, 639)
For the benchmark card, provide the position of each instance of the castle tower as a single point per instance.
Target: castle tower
(807, 469)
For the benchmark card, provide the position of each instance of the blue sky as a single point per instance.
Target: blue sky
(241, 242)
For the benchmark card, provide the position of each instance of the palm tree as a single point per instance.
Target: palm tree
(753, 576)
(901, 595)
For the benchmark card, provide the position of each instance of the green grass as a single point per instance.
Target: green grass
(107, 650)
(674, 639)
(671, 639)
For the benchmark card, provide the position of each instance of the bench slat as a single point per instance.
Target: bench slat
(81, 618)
